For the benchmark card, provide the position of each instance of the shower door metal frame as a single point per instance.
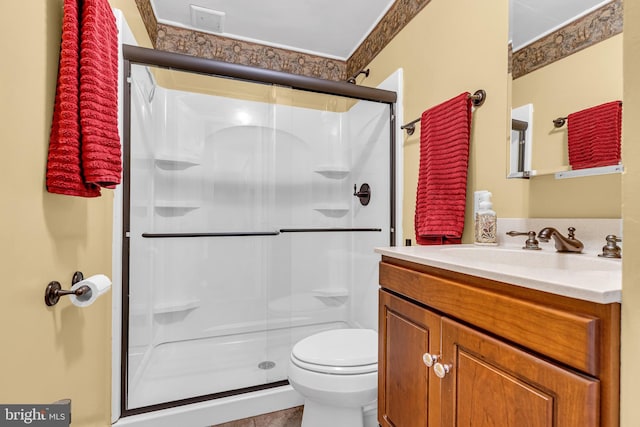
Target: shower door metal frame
(180, 62)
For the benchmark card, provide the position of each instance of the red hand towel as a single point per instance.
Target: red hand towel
(442, 177)
(101, 151)
(594, 136)
(84, 145)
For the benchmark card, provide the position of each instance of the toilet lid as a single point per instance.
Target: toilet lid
(340, 348)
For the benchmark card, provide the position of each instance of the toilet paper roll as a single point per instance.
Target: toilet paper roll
(98, 285)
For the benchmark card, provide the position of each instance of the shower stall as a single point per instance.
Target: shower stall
(251, 204)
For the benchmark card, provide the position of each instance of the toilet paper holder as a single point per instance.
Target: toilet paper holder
(54, 290)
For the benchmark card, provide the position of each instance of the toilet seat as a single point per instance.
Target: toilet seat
(338, 352)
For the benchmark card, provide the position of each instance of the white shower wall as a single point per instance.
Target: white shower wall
(208, 164)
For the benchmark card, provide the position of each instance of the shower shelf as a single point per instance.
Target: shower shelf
(332, 171)
(332, 297)
(332, 209)
(174, 208)
(175, 306)
(175, 162)
(331, 292)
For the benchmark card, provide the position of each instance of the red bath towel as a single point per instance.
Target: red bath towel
(84, 144)
(442, 177)
(594, 136)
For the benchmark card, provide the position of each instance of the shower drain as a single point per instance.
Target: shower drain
(267, 364)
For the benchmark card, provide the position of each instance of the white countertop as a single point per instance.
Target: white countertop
(582, 276)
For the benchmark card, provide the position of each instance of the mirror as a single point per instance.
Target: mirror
(521, 136)
(567, 57)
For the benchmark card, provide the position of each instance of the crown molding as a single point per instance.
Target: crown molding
(181, 40)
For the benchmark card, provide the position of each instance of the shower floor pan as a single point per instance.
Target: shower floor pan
(180, 370)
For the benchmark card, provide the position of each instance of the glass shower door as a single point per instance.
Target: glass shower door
(244, 234)
(200, 235)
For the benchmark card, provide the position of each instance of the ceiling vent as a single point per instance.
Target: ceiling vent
(207, 19)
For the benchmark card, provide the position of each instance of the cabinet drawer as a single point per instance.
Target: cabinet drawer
(568, 337)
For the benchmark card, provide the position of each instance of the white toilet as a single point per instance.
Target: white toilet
(337, 373)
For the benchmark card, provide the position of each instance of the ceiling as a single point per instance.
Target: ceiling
(335, 28)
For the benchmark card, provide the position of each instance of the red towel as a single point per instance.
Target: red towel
(101, 151)
(594, 136)
(64, 170)
(84, 144)
(442, 177)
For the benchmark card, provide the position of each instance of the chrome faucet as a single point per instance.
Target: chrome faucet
(563, 244)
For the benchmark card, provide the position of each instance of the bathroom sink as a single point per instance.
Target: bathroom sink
(584, 276)
(533, 259)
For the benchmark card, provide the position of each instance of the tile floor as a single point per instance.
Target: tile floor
(287, 418)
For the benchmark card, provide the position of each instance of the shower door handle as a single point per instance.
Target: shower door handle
(216, 234)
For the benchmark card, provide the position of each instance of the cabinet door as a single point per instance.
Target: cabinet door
(408, 393)
(493, 384)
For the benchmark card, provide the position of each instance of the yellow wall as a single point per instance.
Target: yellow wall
(442, 55)
(630, 376)
(130, 11)
(590, 77)
(59, 352)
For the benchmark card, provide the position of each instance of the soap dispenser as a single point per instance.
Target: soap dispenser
(486, 222)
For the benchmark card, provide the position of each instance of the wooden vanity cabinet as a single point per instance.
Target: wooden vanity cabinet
(508, 356)
(408, 391)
